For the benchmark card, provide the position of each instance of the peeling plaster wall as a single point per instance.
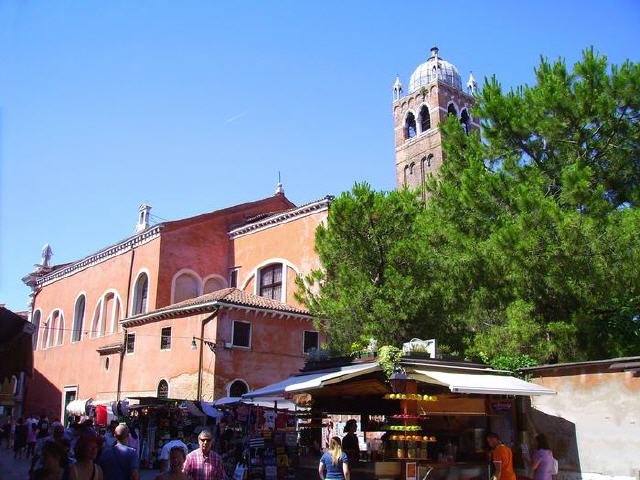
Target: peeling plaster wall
(605, 410)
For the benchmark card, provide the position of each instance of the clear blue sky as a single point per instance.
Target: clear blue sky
(193, 106)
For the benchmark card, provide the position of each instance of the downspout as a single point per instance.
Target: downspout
(126, 315)
(201, 355)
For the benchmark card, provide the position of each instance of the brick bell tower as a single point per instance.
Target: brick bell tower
(435, 91)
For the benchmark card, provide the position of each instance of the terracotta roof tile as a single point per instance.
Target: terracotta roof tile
(226, 296)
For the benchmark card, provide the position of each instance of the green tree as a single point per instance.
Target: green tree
(544, 211)
(371, 284)
(528, 248)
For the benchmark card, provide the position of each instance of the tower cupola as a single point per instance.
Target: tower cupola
(397, 88)
(144, 220)
(435, 68)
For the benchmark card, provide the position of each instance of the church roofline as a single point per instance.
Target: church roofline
(41, 277)
(282, 217)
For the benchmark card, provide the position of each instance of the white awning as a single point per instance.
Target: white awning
(78, 407)
(480, 383)
(311, 381)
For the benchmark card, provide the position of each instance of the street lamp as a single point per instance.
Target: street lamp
(208, 343)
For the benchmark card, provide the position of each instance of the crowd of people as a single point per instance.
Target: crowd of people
(84, 451)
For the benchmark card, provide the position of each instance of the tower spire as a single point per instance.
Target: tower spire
(279, 187)
(472, 85)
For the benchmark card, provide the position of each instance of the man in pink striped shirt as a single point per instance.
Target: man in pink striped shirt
(204, 463)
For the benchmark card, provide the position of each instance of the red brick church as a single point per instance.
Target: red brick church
(204, 307)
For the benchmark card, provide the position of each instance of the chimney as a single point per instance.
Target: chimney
(144, 212)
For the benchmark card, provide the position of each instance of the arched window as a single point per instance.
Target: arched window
(55, 329)
(423, 170)
(186, 286)
(78, 319)
(163, 389)
(425, 119)
(411, 167)
(95, 322)
(237, 388)
(451, 110)
(35, 320)
(212, 284)
(110, 313)
(406, 175)
(271, 281)
(410, 126)
(465, 120)
(140, 294)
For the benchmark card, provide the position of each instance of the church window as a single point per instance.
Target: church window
(36, 326)
(78, 319)
(186, 286)
(271, 281)
(406, 174)
(411, 167)
(425, 119)
(410, 126)
(464, 121)
(140, 294)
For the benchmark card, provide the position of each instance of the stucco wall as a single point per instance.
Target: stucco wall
(605, 410)
(292, 241)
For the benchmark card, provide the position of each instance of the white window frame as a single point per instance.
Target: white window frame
(84, 316)
(233, 332)
(255, 275)
(65, 390)
(170, 338)
(303, 335)
(134, 297)
(126, 343)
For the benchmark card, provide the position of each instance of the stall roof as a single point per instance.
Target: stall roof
(311, 381)
(480, 383)
(458, 380)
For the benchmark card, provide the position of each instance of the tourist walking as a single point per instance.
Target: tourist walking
(334, 464)
(501, 457)
(85, 467)
(542, 462)
(120, 462)
(32, 438)
(203, 463)
(167, 447)
(54, 463)
(19, 439)
(177, 457)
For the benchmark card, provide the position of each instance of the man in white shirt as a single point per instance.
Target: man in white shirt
(166, 448)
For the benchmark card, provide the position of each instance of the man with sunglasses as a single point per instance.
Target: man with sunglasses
(203, 463)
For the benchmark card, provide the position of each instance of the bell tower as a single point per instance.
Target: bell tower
(435, 91)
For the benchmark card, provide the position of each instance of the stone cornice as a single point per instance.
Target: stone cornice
(98, 257)
(282, 217)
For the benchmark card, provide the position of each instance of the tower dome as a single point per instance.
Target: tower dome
(434, 67)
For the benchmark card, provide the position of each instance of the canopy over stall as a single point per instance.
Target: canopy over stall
(367, 378)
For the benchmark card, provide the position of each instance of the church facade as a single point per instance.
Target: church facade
(204, 307)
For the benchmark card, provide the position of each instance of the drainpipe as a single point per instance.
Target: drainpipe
(201, 354)
(126, 315)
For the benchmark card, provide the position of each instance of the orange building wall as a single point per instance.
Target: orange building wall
(78, 363)
(293, 241)
(204, 246)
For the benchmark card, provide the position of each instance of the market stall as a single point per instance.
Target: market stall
(429, 421)
(160, 420)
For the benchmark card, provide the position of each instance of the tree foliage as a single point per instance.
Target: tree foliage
(528, 247)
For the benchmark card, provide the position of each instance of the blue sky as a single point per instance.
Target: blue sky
(194, 106)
